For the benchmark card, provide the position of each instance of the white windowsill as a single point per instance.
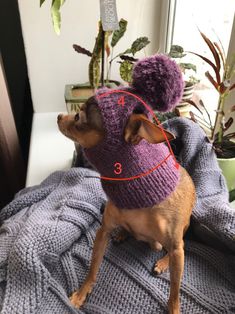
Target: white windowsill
(49, 149)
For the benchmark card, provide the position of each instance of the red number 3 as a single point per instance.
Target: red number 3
(118, 168)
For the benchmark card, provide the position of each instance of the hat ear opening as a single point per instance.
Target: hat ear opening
(139, 110)
(139, 127)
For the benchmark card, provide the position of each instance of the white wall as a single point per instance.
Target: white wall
(51, 60)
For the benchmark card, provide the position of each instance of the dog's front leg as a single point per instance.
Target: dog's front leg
(176, 259)
(79, 296)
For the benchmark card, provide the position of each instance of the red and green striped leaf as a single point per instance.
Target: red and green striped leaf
(82, 50)
(192, 116)
(230, 135)
(210, 63)
(191, 102)
(220, 53)
(215, 54)
(232, 87)
(228, 124)
(210, 78)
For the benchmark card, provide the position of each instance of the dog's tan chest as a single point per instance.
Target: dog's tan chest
(160, 223)
(147, 224)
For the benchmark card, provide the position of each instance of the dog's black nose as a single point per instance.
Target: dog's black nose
(60, 116)
(76, 117)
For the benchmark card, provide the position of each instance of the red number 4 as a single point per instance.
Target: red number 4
(121, 101)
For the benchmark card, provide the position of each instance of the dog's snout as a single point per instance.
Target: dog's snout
(60, 116)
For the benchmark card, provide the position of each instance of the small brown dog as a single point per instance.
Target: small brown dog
(162, 225)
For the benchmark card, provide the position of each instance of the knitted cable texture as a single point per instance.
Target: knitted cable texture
(196, 154)
(47, 235)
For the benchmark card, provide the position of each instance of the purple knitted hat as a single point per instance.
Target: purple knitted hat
(115, 158)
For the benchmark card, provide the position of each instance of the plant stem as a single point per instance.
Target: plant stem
(208, 115)
(219, 117)
(110, 65)
(102, 60)
(107, 69)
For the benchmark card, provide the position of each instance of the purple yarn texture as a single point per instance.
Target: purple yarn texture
(159, 81)
(144, 191)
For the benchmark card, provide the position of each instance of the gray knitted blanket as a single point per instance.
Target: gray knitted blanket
(195, 153)
(47, 234)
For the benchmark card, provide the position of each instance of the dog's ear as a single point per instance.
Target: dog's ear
(139, 127)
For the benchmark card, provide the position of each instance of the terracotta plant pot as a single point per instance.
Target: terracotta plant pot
(227, 166)
(184, 107)
(77, 94)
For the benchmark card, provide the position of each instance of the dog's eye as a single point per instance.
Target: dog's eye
(76, 117)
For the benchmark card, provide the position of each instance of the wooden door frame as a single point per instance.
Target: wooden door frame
(12, 167)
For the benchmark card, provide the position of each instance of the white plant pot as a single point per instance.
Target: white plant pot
(227, 166)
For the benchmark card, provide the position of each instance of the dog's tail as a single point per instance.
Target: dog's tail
(159, 81)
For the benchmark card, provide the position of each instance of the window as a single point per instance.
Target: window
(215, 20)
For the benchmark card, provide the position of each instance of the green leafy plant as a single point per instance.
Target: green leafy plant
(177, 52)
(103, 43)
(127, 58)
(55, 13)
(224, 73)
(109, 40)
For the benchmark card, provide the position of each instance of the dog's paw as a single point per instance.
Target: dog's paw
(77, 300)
(79, 297)
(161, 265)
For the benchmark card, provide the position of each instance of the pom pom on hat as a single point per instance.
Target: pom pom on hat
(159, 81)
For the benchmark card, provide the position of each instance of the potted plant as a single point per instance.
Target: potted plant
(77, 94)
(188, 69)
(222, 140)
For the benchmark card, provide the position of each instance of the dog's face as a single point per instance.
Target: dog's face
(87, 127)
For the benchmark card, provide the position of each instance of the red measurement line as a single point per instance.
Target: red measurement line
(138, 176)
